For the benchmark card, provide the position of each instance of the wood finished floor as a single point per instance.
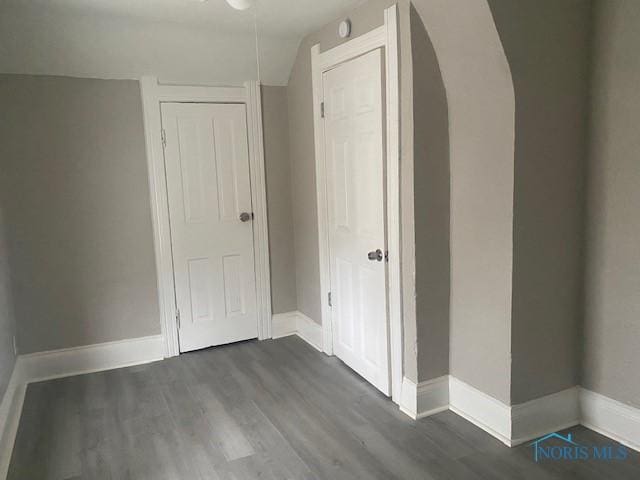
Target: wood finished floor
(260, 410)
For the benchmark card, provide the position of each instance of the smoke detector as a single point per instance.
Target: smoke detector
(241, 4)
(344, 29)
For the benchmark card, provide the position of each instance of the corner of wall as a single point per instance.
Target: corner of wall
(481, 169)
(432, 205)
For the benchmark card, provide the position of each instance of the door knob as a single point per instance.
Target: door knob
(375, 255)
(245, 217)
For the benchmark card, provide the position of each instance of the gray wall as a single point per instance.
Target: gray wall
(431, 190)
(612, 329)
(278, 173)
(7, 321)
(303, 186)
(481, 109)
(547, 45)
(76, 195)
(302, 152)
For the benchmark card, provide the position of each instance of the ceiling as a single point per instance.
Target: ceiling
(179, 41)
(290, 18)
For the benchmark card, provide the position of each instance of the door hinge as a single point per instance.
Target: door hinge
(178, 318)
(329, 299)
(321, 109)
(163, 134)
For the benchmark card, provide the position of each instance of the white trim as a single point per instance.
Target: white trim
(153, 94)
(284, 324)
(321, 192)
(309, 331)
(393, 200)
(297, 323)
(259, 202)
(376, 38)
(512, 425)
(425, 398)
(386, 37)
(517, 424)
(64, 363)
(524, 422)
(611, 418)
(544, 415)
(10, 411)
(433, 396)
(484, 411)
(150, 93)
(409, 398)
(40, 366)
(198, 93)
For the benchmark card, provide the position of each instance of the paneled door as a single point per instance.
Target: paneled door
(209, 191)
(354, 153)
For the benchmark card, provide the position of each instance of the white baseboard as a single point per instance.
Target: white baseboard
(310, 331)
(481, 409)
(284, 324)
(425, 398)
(517, 424)
(544, 415)
(409, 398)
(610, 418)
(10, 411)
(91, 358)
(64, 363)
(297, 323)
(433, 396)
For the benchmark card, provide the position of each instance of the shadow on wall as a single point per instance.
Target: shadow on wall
(481, 106)
(7, 323)
(431, 191)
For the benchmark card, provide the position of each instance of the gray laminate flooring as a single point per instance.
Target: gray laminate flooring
(260, 410)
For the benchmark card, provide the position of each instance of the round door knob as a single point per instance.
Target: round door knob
(376, 255)
(245, 217)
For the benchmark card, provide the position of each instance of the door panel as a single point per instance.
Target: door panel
(207, 168)
(354, 146)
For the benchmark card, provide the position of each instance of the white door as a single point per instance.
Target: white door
(207, 169)
(355, 190)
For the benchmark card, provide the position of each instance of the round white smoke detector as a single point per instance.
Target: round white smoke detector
(240, 4)
(344, 29)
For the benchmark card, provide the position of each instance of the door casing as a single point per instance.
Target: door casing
(385, 37)
(153, 95)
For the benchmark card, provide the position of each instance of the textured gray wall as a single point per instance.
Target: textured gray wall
(302, 152)
(431, 190)
(547, 45)
(7, 321)
(303, 186)
(278, 173)
(481, 109)
(76, 195)
(612, 313)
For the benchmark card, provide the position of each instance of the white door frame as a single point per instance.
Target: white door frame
(385, 36)
(153, 95)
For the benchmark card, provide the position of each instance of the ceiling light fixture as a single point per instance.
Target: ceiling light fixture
(240, 4)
